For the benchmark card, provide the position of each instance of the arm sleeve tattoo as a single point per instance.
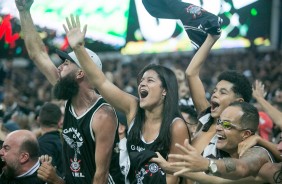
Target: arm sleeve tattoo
(230, 165)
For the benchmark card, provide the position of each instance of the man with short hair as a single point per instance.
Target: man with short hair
(236, 123)
(231, 86)
(20, 152)
(50, 142)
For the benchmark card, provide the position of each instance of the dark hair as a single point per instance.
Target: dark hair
(2, 163)
(170, 109)
(50, 114)
(250, 118)
(241, 85)
(191, 111)
(31, 146)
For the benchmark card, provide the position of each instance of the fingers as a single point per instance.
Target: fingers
(181, 171)
(77, 21)
(182, 148)
(185, 149)
(186, 142)
(46, 172)
(157, 159)
(84, 30)
(65, 28)
(179, 164)
(45, 158)
(178, 157)
(159, 155)
(241, 150)
(73, 21)
(68, 23)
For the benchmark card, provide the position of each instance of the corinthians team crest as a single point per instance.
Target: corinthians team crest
(194, 10)
(75, 166)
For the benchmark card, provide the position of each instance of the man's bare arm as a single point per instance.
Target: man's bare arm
(34, 45)
(104, 125)
(248, 165)
(208, 179)
(271, 172)
(193, 71)
(230, 168)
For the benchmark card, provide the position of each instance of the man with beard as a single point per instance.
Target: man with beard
(19, 154)
(90, 124)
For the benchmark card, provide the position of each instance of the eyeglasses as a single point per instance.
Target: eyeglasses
(228, 125)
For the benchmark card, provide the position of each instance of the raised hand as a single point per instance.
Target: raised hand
(258, 90)
(23, 5)
(74, 34)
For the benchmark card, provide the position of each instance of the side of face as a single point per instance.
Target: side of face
(279, 145)
(222, 96)
(150, 90)
(67, 86)
(10, 155)
(191, 125)
(67, 67)
(228, 139)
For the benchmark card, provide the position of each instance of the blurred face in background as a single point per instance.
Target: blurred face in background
(222, 96)
(279, 145)
(192, 126)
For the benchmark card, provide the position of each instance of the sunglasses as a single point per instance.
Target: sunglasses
(228, 125)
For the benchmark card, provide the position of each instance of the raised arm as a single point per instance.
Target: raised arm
(34, 45)
(258, 94)
(193, 74)
(117, 98)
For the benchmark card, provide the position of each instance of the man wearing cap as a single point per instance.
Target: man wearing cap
(90, 124)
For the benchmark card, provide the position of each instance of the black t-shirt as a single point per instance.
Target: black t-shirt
(141, 170)
(32, 179)
(79, 147)
(50, 143)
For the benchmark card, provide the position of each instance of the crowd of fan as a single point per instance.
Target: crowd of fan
(22, 95)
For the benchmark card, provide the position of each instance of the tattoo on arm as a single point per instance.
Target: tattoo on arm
(230, 165)
(277, 177)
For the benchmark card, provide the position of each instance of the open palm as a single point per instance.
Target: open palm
(74, 34)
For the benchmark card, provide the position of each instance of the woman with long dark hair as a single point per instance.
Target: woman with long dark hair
(154, 120)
